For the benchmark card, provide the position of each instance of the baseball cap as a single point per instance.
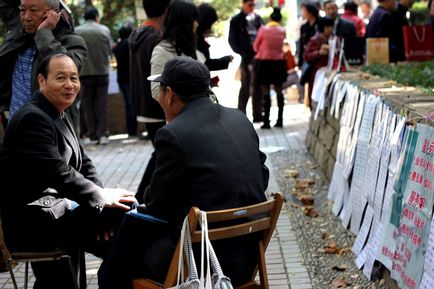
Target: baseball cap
(186, 76)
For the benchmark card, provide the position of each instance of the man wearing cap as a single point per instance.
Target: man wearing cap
(207, 156)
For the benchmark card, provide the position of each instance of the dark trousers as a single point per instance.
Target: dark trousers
(31, 229)
(94, 92)
(138, 244)
(249, 87)
(129, 114)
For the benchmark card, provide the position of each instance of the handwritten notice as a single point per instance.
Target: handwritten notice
(415, 218)
(364, 231)
(389, 234)
(427, 281)
(371, 251)
(356, 115)
(356, 191)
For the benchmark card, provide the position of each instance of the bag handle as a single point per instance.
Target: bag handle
(420, 39)
(185, 245)
(205, 283)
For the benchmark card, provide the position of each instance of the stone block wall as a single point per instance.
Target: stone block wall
(322, 140)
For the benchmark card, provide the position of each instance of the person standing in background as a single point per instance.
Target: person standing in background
(317, 51)
(350, 14)
(381, 25)
(345, 30)
(95, 76)
(270, 65)
(35, 30)
(242, 33)
(366, 11)
(141, 43)
(310, 13)
(207, 17)
(400, 20)
(122, 54)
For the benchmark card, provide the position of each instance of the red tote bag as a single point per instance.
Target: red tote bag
(418, 41)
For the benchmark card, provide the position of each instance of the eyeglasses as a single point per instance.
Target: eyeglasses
(252, 4)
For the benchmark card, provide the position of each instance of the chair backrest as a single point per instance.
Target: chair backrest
(261, 217)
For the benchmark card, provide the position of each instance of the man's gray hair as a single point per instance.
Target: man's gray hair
(53, 4)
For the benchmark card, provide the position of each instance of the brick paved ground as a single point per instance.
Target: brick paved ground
(122, 162)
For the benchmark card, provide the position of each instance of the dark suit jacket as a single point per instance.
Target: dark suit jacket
(346, 30)
(42, 162)
(208, 157)
(239, 38)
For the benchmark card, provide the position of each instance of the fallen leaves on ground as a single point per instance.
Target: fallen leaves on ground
(341, 267)
(310, 212)
(332, 248)
(292, 173)
(339, 284)
(303, 183)
(306, 200)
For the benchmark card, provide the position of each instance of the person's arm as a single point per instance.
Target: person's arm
(258, 40)
(68, 42)
(169, 175)
(234, 37)
(312, 50)
(219, 63)
(158, 60)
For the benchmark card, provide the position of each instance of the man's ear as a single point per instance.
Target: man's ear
(170, 95)
(41, 80)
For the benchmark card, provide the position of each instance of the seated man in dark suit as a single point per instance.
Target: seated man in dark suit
(207, 156)
(51, 194)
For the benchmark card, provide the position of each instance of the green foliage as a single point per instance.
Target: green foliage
(419, 74)
(113, 13)
(225, 10)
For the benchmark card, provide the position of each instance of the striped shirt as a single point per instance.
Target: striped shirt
(22, 80)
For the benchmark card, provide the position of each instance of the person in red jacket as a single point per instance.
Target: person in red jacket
(270, 66)
(350, 14)
(316, 53)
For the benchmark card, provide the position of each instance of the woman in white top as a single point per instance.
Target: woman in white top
(179, 38)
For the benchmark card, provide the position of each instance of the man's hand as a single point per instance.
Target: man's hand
(51, 18)
(118, 198)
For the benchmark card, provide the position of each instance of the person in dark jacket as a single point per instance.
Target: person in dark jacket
(122, 54)
(141, 43)
(242, 34)
(342, 28)
(400, 20)
(207, 17)
(316, 53)
(51, 195)
(33, 35)
(310, 12)
(199, 163)
(381, 25)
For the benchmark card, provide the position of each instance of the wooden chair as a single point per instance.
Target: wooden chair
(267, 214)
(11, 259)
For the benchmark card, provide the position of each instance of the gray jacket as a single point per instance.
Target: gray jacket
(98, 41)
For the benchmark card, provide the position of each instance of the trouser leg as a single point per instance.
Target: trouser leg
(101, 94)
(244, 93)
